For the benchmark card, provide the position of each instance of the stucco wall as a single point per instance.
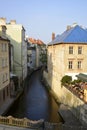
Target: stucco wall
(16, 34)
(58, 66)
(58, 61)
(4, 65)
(77, 106)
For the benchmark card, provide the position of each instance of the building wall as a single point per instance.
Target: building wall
(16, 34)
(11, 57)
(76, 105)
(58, 58)
(4, 71)
(24, 53)
(37, 56)
(34, 53)
(33, 57)
(73, 103)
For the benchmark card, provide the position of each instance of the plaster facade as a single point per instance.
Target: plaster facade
(4, 66)
(58, 63)
(16, 34)
(67, 55)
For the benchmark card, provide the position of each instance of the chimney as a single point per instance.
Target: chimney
(74, 24)
(53, 36)
(12, 21)
(68, 27)
(2, 21)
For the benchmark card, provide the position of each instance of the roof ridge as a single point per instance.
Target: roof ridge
(71, 31)
(76, 34)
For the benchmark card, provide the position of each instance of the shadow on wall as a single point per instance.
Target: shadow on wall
(75, 105)
(17, 55)
(50, 69)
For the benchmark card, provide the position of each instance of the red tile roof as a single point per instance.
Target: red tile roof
(34, 41)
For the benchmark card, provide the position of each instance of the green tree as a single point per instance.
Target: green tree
(66, 80)
(43, 57)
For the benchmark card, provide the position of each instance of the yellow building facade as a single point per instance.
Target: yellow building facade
(4, 66)
(67, 55)
(61, 63)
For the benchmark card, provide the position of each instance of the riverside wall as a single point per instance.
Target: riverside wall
(66, 97)
(11, 123)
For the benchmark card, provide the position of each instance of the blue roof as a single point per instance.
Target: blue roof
(74, 35)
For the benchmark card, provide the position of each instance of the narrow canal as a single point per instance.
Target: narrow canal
(35, 103)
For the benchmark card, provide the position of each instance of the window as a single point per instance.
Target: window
(4, 47)
(6, 76)
(70, 49)
(3, 94)
(79, 64)
(3, 63)
(6, 62)
(70, 66)
(3, 78)
(80, 50)
(7, 91)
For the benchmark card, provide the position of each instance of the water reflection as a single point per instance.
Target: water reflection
(35, 103)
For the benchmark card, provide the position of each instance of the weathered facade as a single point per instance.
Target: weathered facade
(35, 48)
(4, 66)
(67, 55)
(16, 34)
(59, 61)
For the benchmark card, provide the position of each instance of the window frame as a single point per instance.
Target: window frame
(70, 49)
(79, 50)
(79, 64)
(4, 47)
(70, 64)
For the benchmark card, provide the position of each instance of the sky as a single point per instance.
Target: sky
(42, 17)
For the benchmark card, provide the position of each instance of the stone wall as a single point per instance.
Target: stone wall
(4, 95)
(76, 105)
(65, 96)
(24, 124)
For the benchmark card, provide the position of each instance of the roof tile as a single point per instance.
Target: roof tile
(74, 35)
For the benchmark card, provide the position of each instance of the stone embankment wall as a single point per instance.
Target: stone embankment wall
(10, 123)
(75, 104)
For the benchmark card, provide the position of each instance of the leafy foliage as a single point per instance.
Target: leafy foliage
(76, 81)
(66, 80)
(43, 57)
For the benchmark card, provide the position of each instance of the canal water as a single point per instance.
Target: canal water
(35, 103)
